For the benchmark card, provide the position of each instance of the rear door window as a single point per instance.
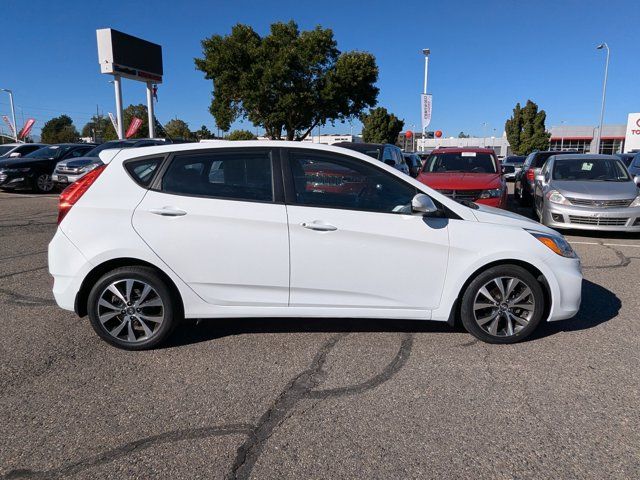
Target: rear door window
(231, 175)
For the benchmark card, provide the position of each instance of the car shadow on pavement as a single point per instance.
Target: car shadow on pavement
(598, 306)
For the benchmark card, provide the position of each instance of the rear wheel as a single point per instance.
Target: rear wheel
(43, 183)
(132, 308)
(503, 304)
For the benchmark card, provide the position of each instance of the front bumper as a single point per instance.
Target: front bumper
(566, 290)
(66, 179)
(16, 181)
(497, 202)
(587, 218)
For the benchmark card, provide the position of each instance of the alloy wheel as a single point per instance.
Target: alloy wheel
(504, 306)
(44, 183)
(130, 310)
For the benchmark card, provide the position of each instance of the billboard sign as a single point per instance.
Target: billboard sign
(28, 125)
(128, 56)
(133, 127)
(632, 136)
(425, 102)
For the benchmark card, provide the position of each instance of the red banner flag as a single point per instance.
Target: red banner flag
(133, 127)
(9, 124)
(27, 128)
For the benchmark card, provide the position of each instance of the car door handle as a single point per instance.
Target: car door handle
(320, 227)
(168, 212)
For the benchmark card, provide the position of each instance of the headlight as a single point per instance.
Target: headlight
(88, 168)
(556, 243)
(636, 202)
(495, 193)
(16, 170)
(555, 196)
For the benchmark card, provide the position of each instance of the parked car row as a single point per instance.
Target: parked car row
(42, 168)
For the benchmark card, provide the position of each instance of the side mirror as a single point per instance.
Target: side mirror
(540, 178)
(503, 169)
(422, 203)
(390, 162)
(15, 155)
(636, 179)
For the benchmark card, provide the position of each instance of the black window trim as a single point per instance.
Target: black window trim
(289, 185)
(162, 156)
(276, 177)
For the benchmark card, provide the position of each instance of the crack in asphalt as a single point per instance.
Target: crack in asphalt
(301, 387)
(18, 299)
(18, 255)
(624, 261)
(7, 275)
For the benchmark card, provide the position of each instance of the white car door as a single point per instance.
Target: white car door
(354, 241)
(215, 220)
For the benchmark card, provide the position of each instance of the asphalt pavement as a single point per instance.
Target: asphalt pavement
(316, 399)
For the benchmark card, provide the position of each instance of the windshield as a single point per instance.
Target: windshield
(469, 162)
(54, 151)
(5, 149)
(106, 145)
(597, 170)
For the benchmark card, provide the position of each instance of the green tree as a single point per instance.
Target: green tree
(287, 81)
(99, 128)
(380, 126)
(203, 134)
(177, 128)
(139, 111)
(59, 130)
(241, 135)
(526, 131)
(463, 135)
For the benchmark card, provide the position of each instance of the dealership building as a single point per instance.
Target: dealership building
(615, 139)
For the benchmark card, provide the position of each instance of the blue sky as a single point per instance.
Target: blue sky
(486, 55)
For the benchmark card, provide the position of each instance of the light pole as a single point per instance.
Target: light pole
(426, 52)
(604, 93)
(13, 112)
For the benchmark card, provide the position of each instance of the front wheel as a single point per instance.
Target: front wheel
(503, 304)
(43, 183)
(132, 308)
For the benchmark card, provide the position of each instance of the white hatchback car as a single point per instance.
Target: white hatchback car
(286, 229)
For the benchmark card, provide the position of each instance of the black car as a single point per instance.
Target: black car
(511, 165)
(414, 162)
(33, 171)
(626, 158)
(525, 178)
(71, 170)
(385, 152)
(16, 150)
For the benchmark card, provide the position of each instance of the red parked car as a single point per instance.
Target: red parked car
(473, 174)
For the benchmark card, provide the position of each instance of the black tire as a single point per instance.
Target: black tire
(468, 315)
(170, 309)
(42, 183)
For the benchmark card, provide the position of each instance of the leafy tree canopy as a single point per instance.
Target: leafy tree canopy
(463, 135)
(526, 129)
(99, 128)
(204, 133)
(287, 81)
(380, 126)
(59, 130)
(177, 128)
(139, 111)
(241, 135)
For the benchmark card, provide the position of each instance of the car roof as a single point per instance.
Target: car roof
(356, 145)
(462, 149)
(585, 156)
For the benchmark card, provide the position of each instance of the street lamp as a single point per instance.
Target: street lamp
(13, 112)
(604, 93)
(426, 52)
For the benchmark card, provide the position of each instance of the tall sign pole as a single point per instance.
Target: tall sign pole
(425, 99)
(152, 124)
(120, 121)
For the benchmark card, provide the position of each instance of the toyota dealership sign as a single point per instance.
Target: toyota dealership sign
(632, 137)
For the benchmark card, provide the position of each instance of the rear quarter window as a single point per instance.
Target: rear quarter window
(142, 171)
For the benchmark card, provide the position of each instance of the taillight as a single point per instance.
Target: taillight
(73, 192)
(531, 175)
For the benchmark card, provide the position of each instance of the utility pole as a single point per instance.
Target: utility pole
(604, 93)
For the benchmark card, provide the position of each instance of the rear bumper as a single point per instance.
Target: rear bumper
(68, 267)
